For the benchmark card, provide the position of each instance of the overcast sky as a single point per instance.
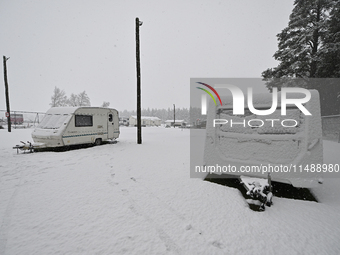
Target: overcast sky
(79, 45)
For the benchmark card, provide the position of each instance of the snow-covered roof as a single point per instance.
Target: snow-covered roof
(171, 121)
(62, 110)
(70, 109)
(147, 118)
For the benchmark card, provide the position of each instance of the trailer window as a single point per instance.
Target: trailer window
(83, 120)
(53, 121)
(110, 117)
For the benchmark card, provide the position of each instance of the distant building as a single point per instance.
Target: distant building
(200, 123)
(123, 121)
(17, 119)
(178, 123)
(146, 121)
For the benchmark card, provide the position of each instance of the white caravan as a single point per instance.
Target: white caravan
(287, 146)
(64, 126)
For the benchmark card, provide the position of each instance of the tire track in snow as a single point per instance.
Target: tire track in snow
(6, 221)
(169, 243)
(152, 204)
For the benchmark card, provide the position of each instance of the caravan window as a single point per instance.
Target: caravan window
(84, 120)
(53, 121)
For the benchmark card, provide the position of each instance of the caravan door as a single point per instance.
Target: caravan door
(110, 125)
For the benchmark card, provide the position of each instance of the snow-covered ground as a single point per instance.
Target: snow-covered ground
(126, 198)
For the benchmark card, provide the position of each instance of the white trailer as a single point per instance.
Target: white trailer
(64, 126)
(261, 144)
(284, 148)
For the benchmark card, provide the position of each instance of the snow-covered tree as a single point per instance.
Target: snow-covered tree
(73, 100)
(330, 50)
(310, 48)
(83, 99)
(58, 98)
(300, 42)
(330, 64)
(106, 104)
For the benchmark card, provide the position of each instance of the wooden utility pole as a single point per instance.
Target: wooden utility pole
(8, 113)
(139, 124)
(174, 116)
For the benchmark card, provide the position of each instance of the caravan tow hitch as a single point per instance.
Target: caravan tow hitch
(259, 189)
(24, 147)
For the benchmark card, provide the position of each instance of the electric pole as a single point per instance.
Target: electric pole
(174, 116)
(8, 113)
(139, 125)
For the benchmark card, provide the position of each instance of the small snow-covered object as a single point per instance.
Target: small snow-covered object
(259, 189)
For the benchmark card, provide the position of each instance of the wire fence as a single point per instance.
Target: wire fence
(21, 119)
(28, 119)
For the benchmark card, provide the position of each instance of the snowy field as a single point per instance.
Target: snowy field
(126, 198)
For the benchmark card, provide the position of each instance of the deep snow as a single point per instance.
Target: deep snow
(126, 198)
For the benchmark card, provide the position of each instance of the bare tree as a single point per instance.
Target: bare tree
(106, 104)
(73, 100)
(83, 99)
(58, 98)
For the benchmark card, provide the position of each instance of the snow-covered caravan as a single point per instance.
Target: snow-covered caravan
(281, 144)
(63, 126)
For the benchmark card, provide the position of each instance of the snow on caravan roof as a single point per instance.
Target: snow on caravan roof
(62, 110)
(56, 116)
(69, 110)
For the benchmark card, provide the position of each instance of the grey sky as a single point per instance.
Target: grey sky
(80, 45)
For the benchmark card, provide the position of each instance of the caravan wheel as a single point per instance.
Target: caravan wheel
(98, 141)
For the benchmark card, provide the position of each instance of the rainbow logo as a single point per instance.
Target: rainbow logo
(213, 90)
